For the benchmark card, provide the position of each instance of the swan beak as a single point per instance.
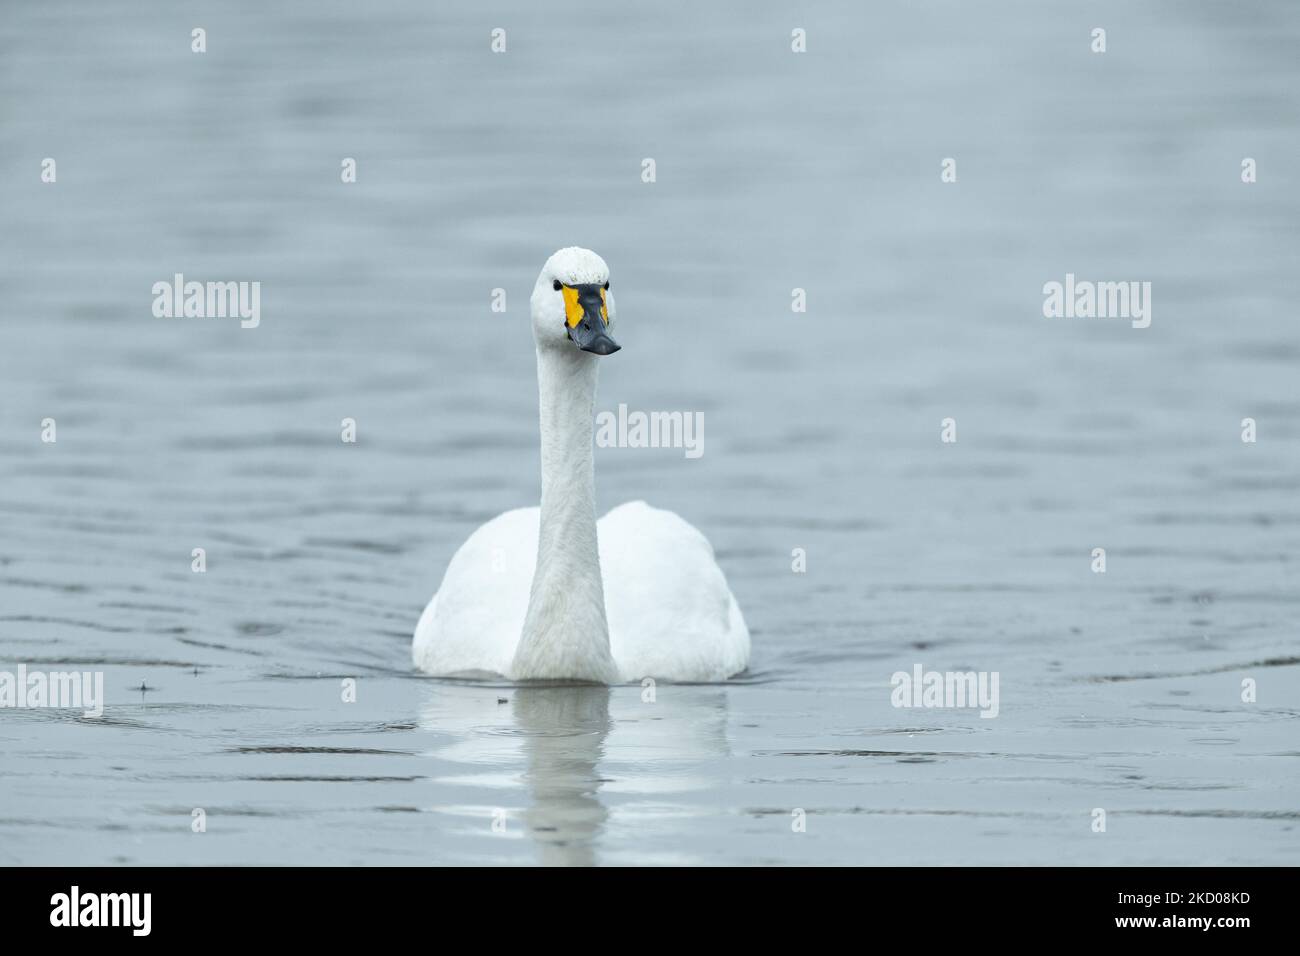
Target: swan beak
(588, 319)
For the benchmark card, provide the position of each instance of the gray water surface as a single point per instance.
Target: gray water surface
(1120, 691)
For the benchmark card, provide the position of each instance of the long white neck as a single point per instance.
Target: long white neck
(565, 633)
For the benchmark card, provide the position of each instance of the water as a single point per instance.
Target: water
(1119, 691)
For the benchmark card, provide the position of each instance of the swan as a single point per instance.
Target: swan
(552, 593)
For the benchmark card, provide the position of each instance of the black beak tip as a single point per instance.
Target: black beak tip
(602, 345)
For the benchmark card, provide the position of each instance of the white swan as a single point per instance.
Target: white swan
(552, 593)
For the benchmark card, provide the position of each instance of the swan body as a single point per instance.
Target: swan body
(646, 555)
(549, 592)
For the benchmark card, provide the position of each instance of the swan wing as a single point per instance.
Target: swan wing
(474, 621)
(671, 614)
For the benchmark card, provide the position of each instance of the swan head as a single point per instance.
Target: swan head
(572, 306)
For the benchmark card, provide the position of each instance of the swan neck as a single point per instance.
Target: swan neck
(566, 386)
(565, 631)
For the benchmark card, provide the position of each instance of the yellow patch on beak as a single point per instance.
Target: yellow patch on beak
(572, 310)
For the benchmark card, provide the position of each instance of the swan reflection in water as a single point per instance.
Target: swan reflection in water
(564, 730)
(567, 749)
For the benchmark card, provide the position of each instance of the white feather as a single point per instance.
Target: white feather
(671, 615)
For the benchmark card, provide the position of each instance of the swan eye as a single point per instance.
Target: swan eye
(556, 285)
(607, 286)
